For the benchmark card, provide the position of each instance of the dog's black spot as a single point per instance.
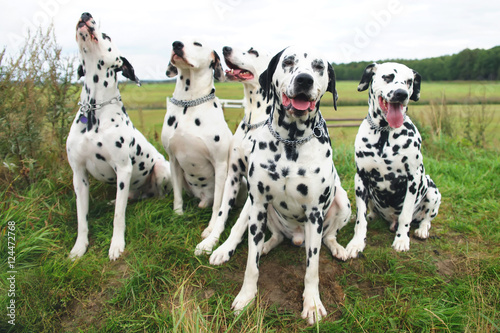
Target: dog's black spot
(216, 138)
(171, 120)
(260, 187)
(242, 165)
(96, 78)
(251, 170)
(197, 122)
(118, 144)
(122, 185)
(303, 189)
(100, 157)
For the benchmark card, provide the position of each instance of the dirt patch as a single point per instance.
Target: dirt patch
(281, 284)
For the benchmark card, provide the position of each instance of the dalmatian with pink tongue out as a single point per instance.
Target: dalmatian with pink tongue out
(390, 180)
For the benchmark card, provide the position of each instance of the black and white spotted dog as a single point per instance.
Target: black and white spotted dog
(103, 141)
(294, 189)
(244, 67)
(195, 133)
(390, 178)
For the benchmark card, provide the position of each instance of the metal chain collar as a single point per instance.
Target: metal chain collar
(252, 126)
(193, 102)
(318, 132)
(86, 107)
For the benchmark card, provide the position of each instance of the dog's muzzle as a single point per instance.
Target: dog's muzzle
(394, 107)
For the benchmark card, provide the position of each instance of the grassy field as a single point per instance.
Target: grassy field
(448, 283)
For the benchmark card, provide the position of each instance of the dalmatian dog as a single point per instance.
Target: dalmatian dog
(390, 180)
(294, 188)
(244, 67)
(195, 134)
(103, 141)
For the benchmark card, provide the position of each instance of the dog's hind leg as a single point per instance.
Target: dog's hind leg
(429, 208)
(338, 216)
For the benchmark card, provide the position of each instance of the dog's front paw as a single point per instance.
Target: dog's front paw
(313, 310)
(78, 250)
(221, 255)
(401, 244)
(206, 246)
(116, 249)
(354, 248)
(242, 300)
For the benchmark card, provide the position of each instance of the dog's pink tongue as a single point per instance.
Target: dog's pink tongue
(395, 116)
(302, 105)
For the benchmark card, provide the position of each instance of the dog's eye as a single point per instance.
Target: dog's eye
(197, 44)
(388, 78)
(289, 61)
(409, 83)
(318, 65)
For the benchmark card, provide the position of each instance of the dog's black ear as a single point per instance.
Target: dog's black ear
(367, 77)
(128, 71)
(171, 70)
(217, 67)
(266, 78)
(332, 85)
(80, 71)
(416, 86)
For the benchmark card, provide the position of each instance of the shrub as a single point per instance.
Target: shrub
(37, 100)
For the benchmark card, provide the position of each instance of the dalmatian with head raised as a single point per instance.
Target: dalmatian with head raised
(195, 134)
(244, 67)
(390, 180)
(103, 141)
(294, 188)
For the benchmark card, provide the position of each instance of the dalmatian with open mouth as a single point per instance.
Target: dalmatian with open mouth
(244, 67)
(103, 141)
(294, 189)
(195, 134)
(390, 180)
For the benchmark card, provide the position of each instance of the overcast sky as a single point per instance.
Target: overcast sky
(342, 30)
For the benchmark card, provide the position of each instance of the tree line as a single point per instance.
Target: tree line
(476, 64)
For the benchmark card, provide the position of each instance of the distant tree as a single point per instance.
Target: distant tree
(477, 64)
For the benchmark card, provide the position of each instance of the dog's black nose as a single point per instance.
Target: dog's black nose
(86, 16)
(177, 45)
(304, 81)
(226, 50)
(400, 95)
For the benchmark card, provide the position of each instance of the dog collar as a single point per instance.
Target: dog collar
(193, 102)
(318, 132)
(252, 126)
(85, 108)
(376, 127)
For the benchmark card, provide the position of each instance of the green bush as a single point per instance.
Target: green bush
(37, 101)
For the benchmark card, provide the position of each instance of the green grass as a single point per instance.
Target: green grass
(448, 283)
